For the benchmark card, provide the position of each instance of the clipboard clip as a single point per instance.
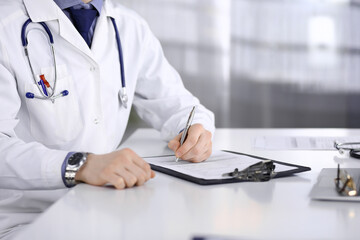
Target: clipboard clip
(258, 172)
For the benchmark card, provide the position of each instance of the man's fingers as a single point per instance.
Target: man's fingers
(196, 150)
(115, 180)
(129, 178)
(140, 175)
(174, 144)
(197, 143)
(201, 151)
(197, 146)
(139, 167)
(191, 140)
(201, 158)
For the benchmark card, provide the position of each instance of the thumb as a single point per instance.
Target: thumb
(174, 144)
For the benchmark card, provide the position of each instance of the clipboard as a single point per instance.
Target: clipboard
(292, 169)
(324, 188)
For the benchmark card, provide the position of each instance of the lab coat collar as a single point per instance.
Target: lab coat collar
(109, 9)
(102, 31)
(35, 9)
(48, 10)
(42, 10)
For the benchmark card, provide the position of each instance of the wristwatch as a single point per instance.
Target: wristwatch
(73, 165)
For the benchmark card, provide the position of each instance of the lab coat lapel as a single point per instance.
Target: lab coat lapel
(70, 34)
(42, 10)
(103, 31)
(47, 10)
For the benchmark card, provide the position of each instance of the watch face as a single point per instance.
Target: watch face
(75, 159)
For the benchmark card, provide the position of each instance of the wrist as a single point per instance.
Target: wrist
(73, 164)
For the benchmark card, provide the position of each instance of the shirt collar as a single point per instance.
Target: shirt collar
(63, 4)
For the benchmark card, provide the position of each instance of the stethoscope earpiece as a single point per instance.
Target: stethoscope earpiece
(31, 95)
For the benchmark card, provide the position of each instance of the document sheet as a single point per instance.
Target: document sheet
(300, 143)
(213, 168)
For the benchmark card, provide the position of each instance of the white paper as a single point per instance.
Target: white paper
(213, 168)
(301, 143)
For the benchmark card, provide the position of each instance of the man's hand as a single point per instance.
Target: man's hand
(197, 146)
(123, 169)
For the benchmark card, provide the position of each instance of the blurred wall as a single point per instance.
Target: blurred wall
(264, 63)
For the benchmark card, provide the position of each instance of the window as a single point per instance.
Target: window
(264, 63)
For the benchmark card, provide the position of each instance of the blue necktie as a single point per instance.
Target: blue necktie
(82, 20)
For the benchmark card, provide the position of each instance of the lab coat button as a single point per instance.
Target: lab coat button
(96, 121)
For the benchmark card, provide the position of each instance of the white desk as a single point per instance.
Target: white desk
(171, 208)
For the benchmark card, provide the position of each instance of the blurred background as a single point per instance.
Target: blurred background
(264, 63)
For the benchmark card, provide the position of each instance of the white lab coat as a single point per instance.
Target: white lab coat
(36, 135)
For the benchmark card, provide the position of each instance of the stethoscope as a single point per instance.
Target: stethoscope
(47, 91)
(347, 146)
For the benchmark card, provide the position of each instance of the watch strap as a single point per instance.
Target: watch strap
(63, 168)
(71, 169)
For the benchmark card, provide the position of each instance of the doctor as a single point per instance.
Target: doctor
(64, 110)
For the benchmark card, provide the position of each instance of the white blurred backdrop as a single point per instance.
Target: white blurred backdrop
(264, 63)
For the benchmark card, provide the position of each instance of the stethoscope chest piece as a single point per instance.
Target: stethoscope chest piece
(123, 97)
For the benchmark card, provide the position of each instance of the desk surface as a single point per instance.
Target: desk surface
(171, 208)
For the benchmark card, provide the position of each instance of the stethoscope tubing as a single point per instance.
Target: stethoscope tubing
(23, 32)
(25, 45)
(355, 153)
(122, 94)
(121, 60)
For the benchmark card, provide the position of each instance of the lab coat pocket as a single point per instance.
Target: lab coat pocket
(58, 122)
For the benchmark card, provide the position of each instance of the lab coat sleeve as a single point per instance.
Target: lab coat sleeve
(161, 98)
(26, 166)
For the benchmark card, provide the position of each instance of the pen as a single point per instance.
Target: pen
(42, 84)
(188, 125)
(42, 77)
